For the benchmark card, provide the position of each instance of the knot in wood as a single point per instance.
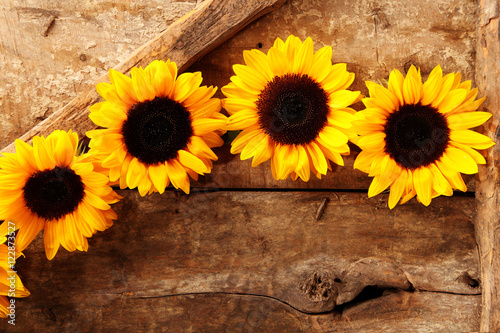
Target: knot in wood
(317, 286)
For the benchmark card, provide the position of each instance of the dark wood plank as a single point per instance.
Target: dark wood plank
(254, 243)
(392, 312)
(488, 195)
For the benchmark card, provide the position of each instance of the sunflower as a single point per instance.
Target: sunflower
(45, 186)
(10, 282)
(292, 107)
(416, 138)
(159, 128)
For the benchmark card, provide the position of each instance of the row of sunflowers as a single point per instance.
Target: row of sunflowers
(292, 106)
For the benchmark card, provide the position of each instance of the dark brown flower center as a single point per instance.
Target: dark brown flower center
(293, 109)
(156, 130)
(52, 194)
(416, 135)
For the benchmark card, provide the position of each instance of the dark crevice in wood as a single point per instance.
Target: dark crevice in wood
(232, 294)
(367, 294)
(448, 292)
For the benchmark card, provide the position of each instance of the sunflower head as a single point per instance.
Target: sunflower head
(46, 186)
(292, 107)
(416, 138)
(158, 127)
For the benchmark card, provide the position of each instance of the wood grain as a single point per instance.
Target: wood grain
(184, 42)
(395, 311)
(488, 195)
(254, 243)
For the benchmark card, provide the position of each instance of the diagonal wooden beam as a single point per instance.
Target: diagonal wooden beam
(487, 221)
(185, 41)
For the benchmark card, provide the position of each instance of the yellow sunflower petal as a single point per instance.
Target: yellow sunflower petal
(177, 175)
(432, 86)
(288, 160)
(439, 183)
(43, 156)
(95, 201)
(302, 169)
(390, 172)
(320, 64)
(199, 148)
(50, 240)
(258, 61)
(343, 98)
(250, 76)
(459, 160)
(476, 156)
(447, 82)
(124, 87)
(203, 126)
(471, 138)
(136, 172)
(145, 186)
(25, 235)
(395, 86)
(263, 151)
(159, 177)
(251, 147)
(422, 181)
(317, 157)
(242, 119)
(387, 99)
(243, 138)
(373, 141)
(341, 118)
(397, 189)
(333, 136)
(452, 100)
(277, 62)
(303, 60)
(466, 120)
(454, 178)
(186, 83)
(233, 105)
(192, 162)
(331, 155)
(143, 89)
(412, 90)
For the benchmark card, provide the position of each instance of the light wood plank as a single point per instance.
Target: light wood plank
(488, 195)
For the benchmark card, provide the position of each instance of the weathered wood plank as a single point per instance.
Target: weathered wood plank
(256, 243)
(392, 312)
(51, 50)
(488, 195)
(185, 41)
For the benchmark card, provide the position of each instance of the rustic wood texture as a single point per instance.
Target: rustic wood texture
(184, 42)
(50, 51)
(267, 260)
(488, 196)
(261, 247)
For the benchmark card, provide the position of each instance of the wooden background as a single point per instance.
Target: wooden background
(243, 252)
